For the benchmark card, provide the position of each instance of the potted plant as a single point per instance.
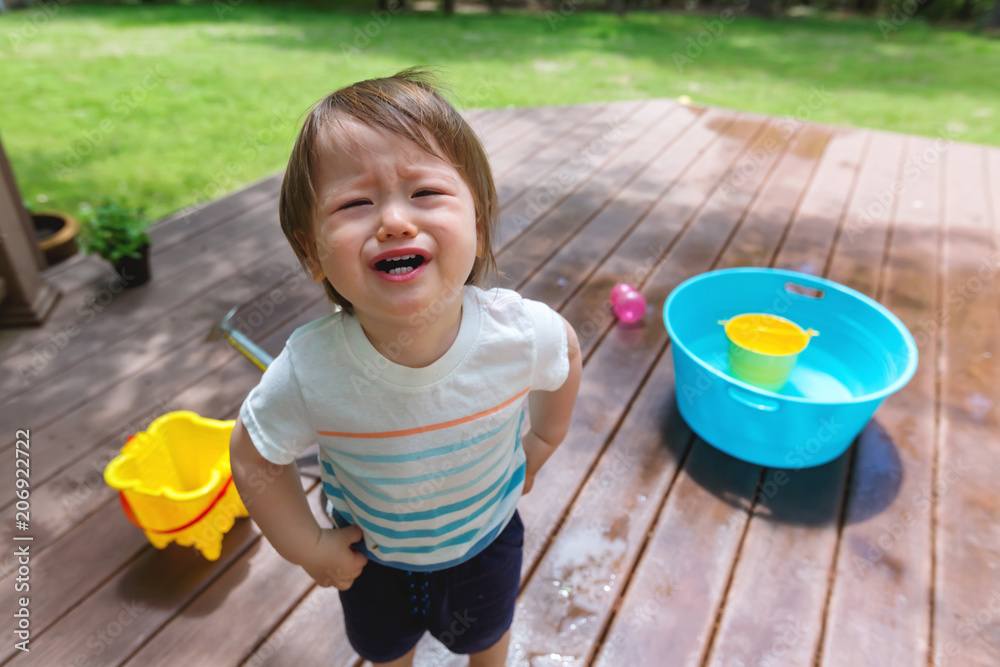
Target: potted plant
(56, 234)
(117, 232)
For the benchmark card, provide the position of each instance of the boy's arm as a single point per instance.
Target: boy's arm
(274, 497)
(550, 413)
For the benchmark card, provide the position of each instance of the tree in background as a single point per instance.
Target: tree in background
(993, 18)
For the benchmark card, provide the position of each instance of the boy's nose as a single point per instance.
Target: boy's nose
(395, 224)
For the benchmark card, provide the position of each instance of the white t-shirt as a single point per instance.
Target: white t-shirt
(427, 461)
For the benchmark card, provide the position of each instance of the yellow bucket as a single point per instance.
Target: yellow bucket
(763, 348)
(175, 482)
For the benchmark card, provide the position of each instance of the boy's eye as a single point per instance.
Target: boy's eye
(425, 193)
(356, 202)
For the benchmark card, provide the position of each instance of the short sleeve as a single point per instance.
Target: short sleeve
(274, 413)
(551, 346)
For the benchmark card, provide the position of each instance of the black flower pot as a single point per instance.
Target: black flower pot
(134, 271)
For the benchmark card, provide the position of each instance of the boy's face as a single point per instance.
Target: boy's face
(395, 227)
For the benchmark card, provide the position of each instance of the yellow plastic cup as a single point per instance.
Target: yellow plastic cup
(175, 482)
(763, 348)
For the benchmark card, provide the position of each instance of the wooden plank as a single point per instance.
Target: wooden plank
(596, 546)
(665, 610)
(529, 131)
(88, 271)
(103, 542)
(124, 362)
(515, 182)
(132, 607)
(879, 610)
(776, 601)
(123, 612)
(495, 119)
(92, 324)
(694, 158)
(564, 124)
(79, 272)
(68, 438)
(258, 589)
(95, 548)
(119, 542)
(312, 633)
(78, 488)
(186, 224)
(570, 185)
(572, 206)
(967, 544)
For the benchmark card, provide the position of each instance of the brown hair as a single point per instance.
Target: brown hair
(408, 105)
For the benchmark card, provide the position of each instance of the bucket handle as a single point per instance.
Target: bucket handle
(804, 290)
(752, 401)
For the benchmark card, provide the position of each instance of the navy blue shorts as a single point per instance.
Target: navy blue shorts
(467, 607)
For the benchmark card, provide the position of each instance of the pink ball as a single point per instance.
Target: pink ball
(618, 291)
(631, 307)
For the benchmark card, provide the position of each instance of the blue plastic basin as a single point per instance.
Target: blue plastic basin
(863, 354)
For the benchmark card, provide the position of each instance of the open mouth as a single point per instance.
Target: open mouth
(399, 265)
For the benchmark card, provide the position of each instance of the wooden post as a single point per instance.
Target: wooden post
(29, 298)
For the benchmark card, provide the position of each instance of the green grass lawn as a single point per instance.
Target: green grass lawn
(167, 106)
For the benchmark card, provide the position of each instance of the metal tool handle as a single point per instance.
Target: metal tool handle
(249, 349)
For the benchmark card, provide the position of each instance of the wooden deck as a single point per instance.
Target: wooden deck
(644, 546)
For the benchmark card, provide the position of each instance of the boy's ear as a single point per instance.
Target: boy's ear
(310, 250)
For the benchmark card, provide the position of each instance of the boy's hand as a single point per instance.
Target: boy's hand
(333, 562)
(536, 452)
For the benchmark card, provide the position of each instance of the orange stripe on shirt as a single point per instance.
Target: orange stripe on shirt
(426, 429)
